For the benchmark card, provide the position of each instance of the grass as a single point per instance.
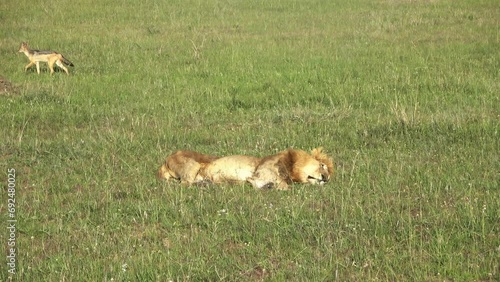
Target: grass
(403, 95)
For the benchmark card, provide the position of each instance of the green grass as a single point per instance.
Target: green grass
(402, 94)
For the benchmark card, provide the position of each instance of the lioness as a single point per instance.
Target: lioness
(184, 166)
(280, 170)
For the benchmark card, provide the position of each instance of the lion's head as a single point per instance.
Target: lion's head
(315, 168)
(280, 170)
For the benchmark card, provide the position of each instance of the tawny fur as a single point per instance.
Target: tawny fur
(230, 169)
(280, 170)
(184, 166)
(50, 57)
(277, 171)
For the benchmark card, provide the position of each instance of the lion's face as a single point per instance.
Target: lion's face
(313, 171)
(315, 168)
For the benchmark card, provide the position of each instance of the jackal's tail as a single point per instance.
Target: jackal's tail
(66, 61)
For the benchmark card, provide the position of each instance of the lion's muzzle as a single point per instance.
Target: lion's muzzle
(322, 180)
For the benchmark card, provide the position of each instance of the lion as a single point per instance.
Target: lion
(280, 170)
(184, 166)
(276, 171)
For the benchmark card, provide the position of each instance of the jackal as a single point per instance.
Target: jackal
(37, 56)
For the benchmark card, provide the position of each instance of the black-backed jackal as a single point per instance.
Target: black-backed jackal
(50, 57)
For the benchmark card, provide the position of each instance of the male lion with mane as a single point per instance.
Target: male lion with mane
(277, 171)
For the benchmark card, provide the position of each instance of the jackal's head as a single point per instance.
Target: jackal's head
(24, 47)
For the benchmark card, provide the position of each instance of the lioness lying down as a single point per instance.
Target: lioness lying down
(276, 171)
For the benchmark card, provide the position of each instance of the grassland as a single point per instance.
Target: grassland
(403, 94)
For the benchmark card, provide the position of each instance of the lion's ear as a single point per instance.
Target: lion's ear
(322, 157)
(316, 152)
